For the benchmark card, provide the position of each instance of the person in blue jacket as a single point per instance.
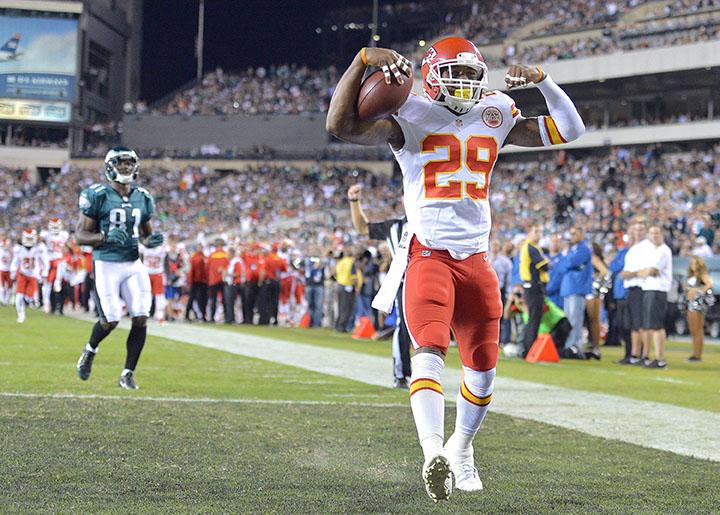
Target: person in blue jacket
(619, 293)
(557, 270)
(576, 284)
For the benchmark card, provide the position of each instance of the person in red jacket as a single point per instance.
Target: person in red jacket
(252, 278)
(218, 263)
(198, 281)
(272, 266)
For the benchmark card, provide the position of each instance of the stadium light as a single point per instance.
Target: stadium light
(334, 28)
(318, 30)
(421, 42)
(376, 37)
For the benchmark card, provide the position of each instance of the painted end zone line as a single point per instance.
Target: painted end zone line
(199, 400)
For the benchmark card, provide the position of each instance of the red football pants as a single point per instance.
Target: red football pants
(442, 293)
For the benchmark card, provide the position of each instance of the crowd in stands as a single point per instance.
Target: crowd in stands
(37, 137)
(283, 89)
(255, 212)
(292, 89)
(653, 34)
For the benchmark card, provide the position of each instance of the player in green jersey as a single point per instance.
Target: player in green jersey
(114, 219)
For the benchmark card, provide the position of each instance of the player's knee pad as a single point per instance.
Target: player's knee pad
(480, 384)
(139, 321)
(428, 365)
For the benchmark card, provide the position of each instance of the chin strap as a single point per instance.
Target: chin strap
(564, 123)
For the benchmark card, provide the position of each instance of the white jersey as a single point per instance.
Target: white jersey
(154, 259)
(446, 163)
(56, 244)
(5, 258)
(30, 262)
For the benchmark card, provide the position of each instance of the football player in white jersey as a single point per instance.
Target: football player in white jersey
(446, 143)
(5, 262)
(154, 260)
(29, 265)
(56, 241)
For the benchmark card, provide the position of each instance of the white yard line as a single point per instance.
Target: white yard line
(193, 400)
(650, 424)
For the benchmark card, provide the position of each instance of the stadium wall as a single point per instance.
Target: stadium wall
(33, 157)
(384, 167)
(289, 132)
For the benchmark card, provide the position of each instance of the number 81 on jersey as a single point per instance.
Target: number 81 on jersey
(480, 154)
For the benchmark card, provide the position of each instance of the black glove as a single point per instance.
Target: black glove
(154, 240)
(117, 236)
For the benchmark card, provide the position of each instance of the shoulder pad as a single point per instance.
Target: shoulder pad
(144, 192)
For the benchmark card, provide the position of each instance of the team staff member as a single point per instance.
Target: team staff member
(217, 266)
(534, 275)
(269, 296)
(252, 267)
(197, 279)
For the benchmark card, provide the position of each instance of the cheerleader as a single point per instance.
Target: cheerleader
(699, 297)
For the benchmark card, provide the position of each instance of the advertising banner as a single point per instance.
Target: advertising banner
(38, 57)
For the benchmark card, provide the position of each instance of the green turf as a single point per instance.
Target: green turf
(122, 455)
(691, 385)
(97, 455)
(40, 357)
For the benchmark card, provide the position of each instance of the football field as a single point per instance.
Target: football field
(216, 431)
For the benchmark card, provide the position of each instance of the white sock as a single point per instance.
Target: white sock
(88, 347)
(46, 289)
(428, 402)
(473, 401)
(160, 305)
(20, 303)
(126, 371)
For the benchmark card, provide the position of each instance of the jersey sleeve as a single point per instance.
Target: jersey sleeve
(149, 210)
(88, 203)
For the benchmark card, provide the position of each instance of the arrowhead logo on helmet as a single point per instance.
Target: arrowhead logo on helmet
(125, 174)
(454, 74)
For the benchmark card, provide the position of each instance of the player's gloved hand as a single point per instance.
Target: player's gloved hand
(389, 61)
(154, 240)
(117, 236)
(519, 75)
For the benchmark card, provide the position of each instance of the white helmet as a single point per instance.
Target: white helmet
(55, 226)
(113, 157)
(29, 238)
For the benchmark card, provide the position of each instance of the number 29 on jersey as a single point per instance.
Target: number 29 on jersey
(477, 154)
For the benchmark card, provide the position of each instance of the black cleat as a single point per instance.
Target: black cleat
(624, 361)
(84, 364)
(401, 384)
(593, 353)
(127, 381)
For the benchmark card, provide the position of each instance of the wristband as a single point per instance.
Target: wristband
(362, 56)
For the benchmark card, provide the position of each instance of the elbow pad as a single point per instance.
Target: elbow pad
(564, 123)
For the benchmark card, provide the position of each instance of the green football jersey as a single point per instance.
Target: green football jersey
(109, 209)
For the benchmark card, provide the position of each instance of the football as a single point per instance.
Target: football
(378, 100)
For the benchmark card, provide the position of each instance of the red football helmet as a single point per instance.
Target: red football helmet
(55, 226)
(29, 238)
(440, 59)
